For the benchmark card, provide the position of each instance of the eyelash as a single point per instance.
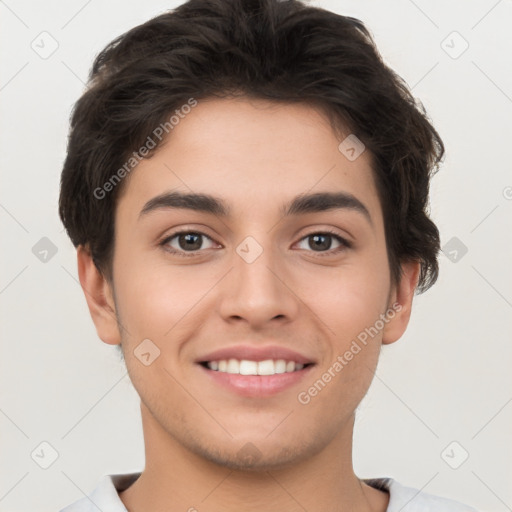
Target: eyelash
(345, 244)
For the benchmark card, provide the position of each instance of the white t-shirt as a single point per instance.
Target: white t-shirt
(401, 499)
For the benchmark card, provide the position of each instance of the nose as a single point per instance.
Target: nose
(258, 291)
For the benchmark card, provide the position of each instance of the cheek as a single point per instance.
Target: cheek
(147, 297)
(153, 306)
(353, 348)
(352, 297)
(163, 303)
(350, 302)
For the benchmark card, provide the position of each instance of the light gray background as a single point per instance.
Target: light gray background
(448, 379)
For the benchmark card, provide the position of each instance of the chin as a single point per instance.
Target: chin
(258, 456)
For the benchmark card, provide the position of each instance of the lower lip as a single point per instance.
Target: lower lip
(257, 385)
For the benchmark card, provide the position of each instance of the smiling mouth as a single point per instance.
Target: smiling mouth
(248, 367)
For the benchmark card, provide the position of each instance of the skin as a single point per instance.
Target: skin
(256, 156)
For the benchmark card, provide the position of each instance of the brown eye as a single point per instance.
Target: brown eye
(323, 241)
(184, 242)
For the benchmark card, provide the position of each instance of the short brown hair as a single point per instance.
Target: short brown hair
(284, 51)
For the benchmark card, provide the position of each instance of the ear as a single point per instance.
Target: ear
(401, 297)
(99, 297)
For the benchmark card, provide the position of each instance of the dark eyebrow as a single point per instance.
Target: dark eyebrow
(324, 201)
(302, 204)
(197, 202)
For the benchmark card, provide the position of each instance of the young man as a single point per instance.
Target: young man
(247, 185)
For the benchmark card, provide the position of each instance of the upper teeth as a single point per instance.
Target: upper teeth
(246, 367)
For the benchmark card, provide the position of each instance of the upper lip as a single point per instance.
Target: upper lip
(253, 353)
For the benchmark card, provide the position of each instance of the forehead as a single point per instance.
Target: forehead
(254, 153)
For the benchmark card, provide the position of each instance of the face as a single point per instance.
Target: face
(253, 274)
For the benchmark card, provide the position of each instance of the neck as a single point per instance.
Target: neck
(176, 479)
